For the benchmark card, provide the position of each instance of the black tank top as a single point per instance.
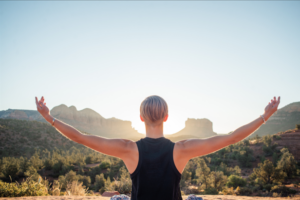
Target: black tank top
(156, 176)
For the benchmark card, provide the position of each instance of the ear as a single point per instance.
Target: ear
(166, 118)
(141, 118)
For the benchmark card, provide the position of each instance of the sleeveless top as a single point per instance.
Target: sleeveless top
(156, 176)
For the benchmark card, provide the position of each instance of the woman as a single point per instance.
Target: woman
(155, 163)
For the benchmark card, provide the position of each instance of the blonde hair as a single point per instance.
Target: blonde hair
(154, 109)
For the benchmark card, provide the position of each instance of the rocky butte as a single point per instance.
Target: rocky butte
(92, 122)
(194, 128)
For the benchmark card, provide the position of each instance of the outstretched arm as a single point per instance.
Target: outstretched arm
(114, 147)
(191, 148)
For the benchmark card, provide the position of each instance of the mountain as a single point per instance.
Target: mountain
(194, 128)
(284, 119)
(89, 121)
(92, 122)
(86, 120)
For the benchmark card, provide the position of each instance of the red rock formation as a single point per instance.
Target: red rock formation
(291, 140)
(92, 122)
(200, 128)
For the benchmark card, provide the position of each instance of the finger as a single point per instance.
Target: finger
(278, 101)
(37, 103)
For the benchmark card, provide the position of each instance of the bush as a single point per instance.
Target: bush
(27, 188)
(56, 189)
(99, 182)
(76, 188)
(297, 126)
(235, 181)
(228, 191)
(268, 187)
(211, 190)
(283, 191)
(104, 165)
(243, 191)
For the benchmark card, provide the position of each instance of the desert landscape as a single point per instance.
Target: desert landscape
(42, 158)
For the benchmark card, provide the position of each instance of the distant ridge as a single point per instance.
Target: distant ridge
(90, 121)
(284, 119)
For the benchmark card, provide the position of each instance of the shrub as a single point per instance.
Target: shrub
(99, 181)
(267, 187)
(297, 126)
(211, 190)
(243, 191)
(26, 188)
(86, 180)
(76, 188)
(276, 194)
(104, 165)
(55, 190)
(228, 191)
(235, 181)
(283, 190)
(124, 185)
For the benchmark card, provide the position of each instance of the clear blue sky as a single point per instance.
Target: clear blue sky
(218, 60)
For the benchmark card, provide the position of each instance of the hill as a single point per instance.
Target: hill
(23, 137)
(284, 119)
(89, 121)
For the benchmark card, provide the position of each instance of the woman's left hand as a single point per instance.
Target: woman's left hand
(41, 107)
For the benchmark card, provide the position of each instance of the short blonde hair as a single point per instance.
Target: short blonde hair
(153, 109)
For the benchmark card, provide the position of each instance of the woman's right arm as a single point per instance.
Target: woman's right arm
(120, 148)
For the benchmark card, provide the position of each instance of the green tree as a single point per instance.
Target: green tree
(235, 181)
(267, 140)
(218, 179)
(288, 164)
(99, 181)
(268, 173)
(203, 172)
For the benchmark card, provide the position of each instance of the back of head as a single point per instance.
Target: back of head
(153, 110)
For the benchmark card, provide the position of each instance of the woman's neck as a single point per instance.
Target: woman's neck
(154, 131)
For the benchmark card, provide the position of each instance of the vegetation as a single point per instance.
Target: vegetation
(78, 170)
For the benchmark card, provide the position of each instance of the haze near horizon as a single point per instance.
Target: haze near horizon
(222, 61)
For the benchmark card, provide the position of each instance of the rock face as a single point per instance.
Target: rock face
(86, 120)
(200, 128)
(92, 122)
(291, 140)
(284, 119)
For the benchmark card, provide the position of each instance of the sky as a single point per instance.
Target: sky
(220, 60)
